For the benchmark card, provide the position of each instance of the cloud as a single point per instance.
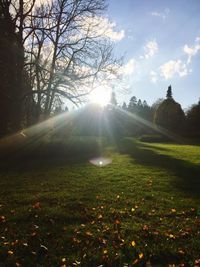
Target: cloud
(93, 25)
(174, 67)
(150, 49)
(102, 26)
(129, 67)
(115, 36)
(153, 76)
(109, 29)
(192, 50)
(38, 3)
(162, 15)
(180, 67)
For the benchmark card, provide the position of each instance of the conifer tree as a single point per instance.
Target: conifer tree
(113, 100)
(169, 92)
(124, 106)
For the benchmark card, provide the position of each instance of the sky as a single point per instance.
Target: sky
(160, 43)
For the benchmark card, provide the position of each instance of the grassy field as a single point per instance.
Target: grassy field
(140, 210)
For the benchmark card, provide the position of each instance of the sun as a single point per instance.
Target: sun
(100, 96)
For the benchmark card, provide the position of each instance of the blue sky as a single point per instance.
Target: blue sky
(160, 42)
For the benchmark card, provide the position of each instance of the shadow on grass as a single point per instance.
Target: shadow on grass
(36, 152)
(32, 164)
(187, 174)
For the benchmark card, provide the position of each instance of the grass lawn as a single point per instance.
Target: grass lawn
(143, 208)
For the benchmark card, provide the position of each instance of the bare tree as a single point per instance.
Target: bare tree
(57, 49)
(68, 51)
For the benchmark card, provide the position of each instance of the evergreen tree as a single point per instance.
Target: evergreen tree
(169, 92)
(144, 104)
(113, 100)
(124, 106)
(132, 104)
(193, 120)
(139, 103)
(169, 114)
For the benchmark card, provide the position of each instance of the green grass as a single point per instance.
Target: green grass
(65, 213)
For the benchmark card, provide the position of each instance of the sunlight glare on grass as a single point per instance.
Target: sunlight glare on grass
(101, 161)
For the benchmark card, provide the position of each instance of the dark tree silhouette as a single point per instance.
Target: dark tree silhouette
(193, 120)
(14, 79)
(124, 106)
(169, 92)
(132, 106)
(113, 100)
(11, 71)
(169, 114)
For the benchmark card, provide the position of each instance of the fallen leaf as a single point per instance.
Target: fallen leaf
(63, 259)
(37, 205)
(145, 227)
(2, 218)
(141, 255)
(10, 252)
(133, 243)
(117, 221)
(88, 233)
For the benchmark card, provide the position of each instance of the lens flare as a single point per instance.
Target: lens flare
(101, 161)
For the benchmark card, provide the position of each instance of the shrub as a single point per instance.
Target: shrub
(170, 116)
(154, 138)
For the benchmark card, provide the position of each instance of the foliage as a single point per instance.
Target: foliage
(170, 115)
(169, 92)
(124, 106)
(11, 72)
(154, 138)
(156, 104)
(142, 112)
(193, 120)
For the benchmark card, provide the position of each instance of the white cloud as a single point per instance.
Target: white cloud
(115, 36)
(180, 67)
(129, 67)
(162, 15)
(150, 49)
(102, 26)
(192, 50)
(38, 3)
(153, 76)
(109, 29)
(174, 67)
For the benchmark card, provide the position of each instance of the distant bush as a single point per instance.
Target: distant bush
(154, 138)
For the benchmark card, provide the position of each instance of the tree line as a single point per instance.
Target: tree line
(137, 118)
(165, 113)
